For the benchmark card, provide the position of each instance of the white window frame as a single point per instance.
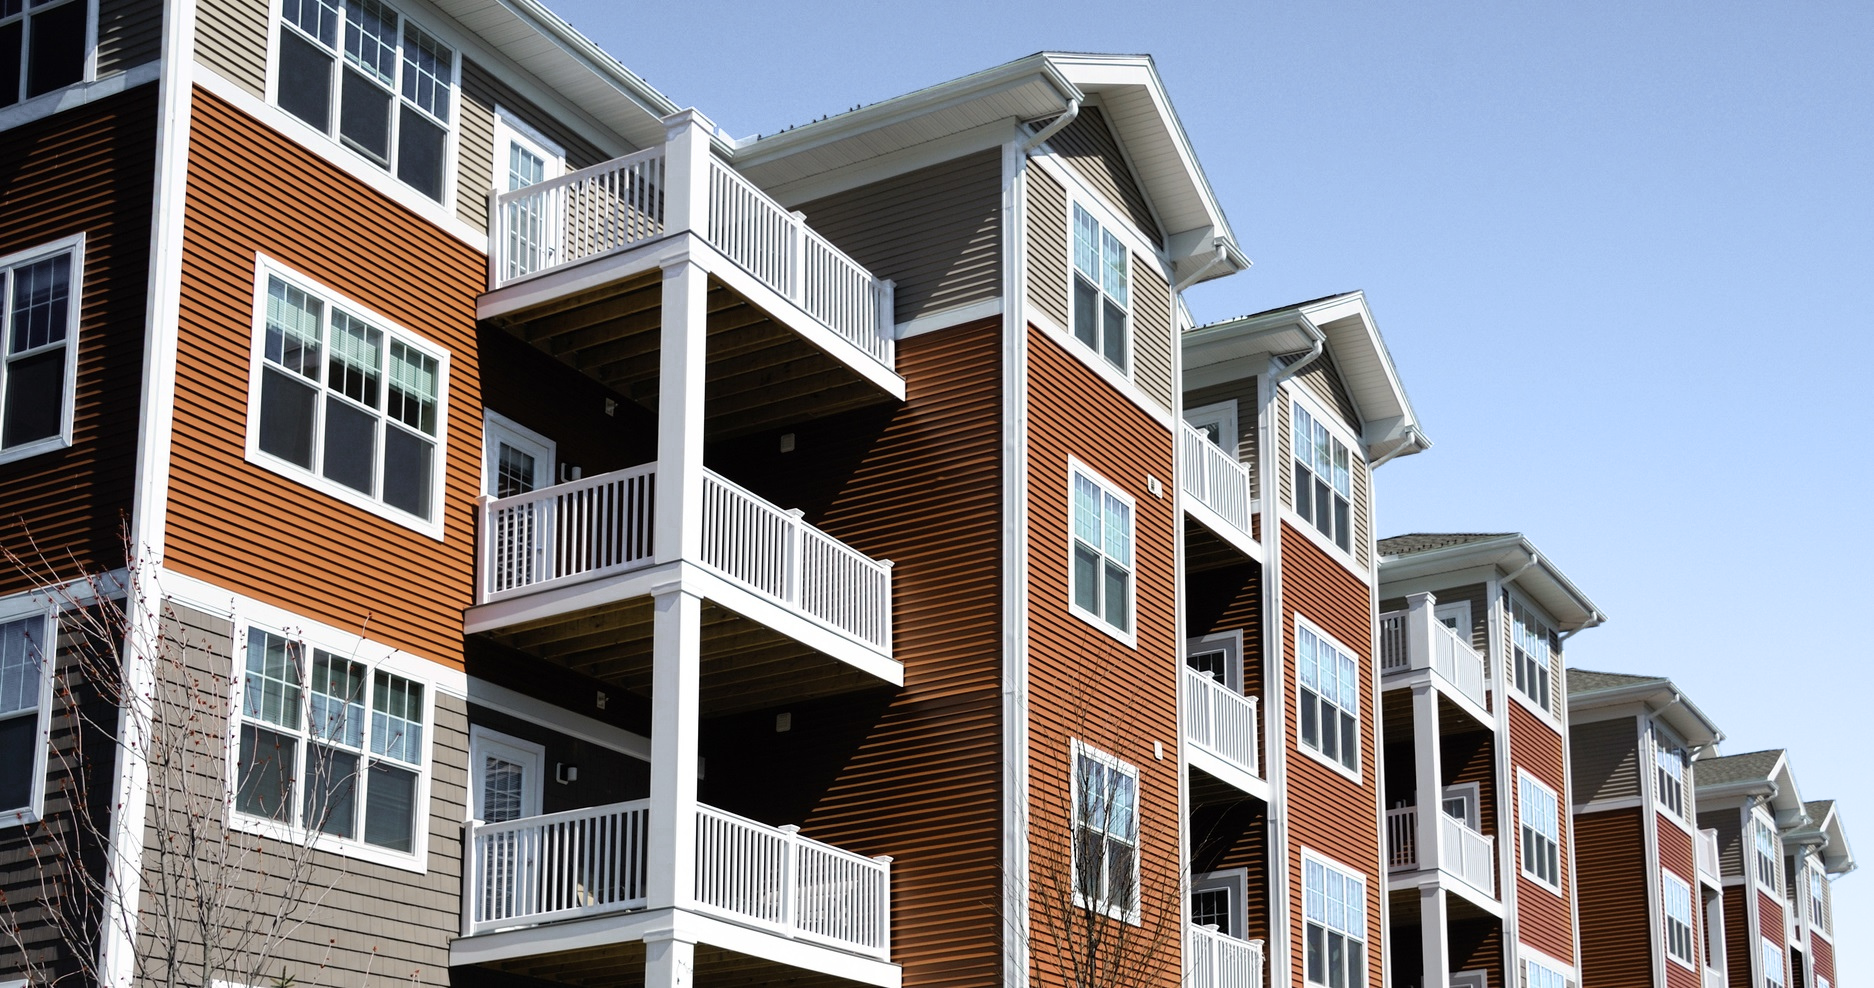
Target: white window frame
(266, 268)
(1314, 752)
(1524, 828)
(1222, 414)
(26, 609)
(1817, 891)
(1548, 712)
(1673, 888)
(1460, 610)
(1128, 911)
(75, 246)
(276, 22)
(389, 661)
(1235, 881)
(1669, 789)
(484, 741)
(497, 429)
(1541, 971)
(1130, 633)
(1299, 401)
(88, 71)
(1767, 952)
(1472, 794)
(1766, 862)
(1110, 233)
(1228, 642)
(1325, 921)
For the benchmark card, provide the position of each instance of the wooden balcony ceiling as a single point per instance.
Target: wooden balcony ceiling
(1403, 904)
(622, 966)
(1206, 550)
(760, 374)
(746, 665)
(1396, 715)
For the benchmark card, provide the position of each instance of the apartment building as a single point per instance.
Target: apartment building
(1481, 888)
(1650, 885)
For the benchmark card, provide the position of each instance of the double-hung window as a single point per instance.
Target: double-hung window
(1529, 645)
(1329, 697)
(1539, 812)
(1772, 963)
(1334, 910)
(328, 745)
(1102, 552)
(1106, 833)
(1669, 770)
(346, 400)
(42, 47)
(379, 82)
(1767, 853)
(1102, 300)
(25, 697)
(38, 346)
(1678, 907)
(1818, 899)
(1323, 478)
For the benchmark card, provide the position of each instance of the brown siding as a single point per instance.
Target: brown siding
(1616, 947)
(1082, 683)
(1328, 812)
(1248, 439)
(1236, 835)
(1604, 759)
(1676, 855)
(1230, 599)
(1477, 945)
(1090, 147)
(248, 528)
(87, 170)
(1740, 949)
(936, 232)
(1152, 335)
(130, 33)
(1824, 956)
(1471, 757)
(1730, 828)
(231, 38)
(1545, 917)
(1770, 920)
(1047, 244)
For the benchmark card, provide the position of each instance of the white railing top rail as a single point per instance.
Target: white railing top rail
(572, 487)
(1447, 652)
(1708, 852)
(1216, 478)
(561, 816)
(1222, 721)
(577, 216)
(1219, 960)
(576, 177)
(1468, 854)
(567, 533)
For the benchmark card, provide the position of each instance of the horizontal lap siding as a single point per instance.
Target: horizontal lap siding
(1740, 948)
(1730, 828)
(1151, 323)
(1248, 438)
(1324, 384)
(1047, 244)
(231, 38)
(1328, 812)
(1604, 759)
(1616, 947)
(936, 232)
(1477, 945)
(475, 171)
(130, 33)
(1237, 836)
(1770, 918)
(1546, 921)
(1824, 957)
(1090, 147)
(1082, 683)
(1230, 599)
(265, 533)
(1471, 757)
(87, 170)
(1677, 856)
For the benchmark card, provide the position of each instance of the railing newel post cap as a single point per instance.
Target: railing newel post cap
(888, 564)
(789, 829)
(882, 858)
(797, 214)
(485, 498)
(796, 513)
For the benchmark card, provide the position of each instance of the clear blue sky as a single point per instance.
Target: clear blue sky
(1618, 250)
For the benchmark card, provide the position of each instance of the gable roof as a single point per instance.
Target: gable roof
(1589, 681)
(1755, 773)
(1753, 766)
(1827, 835)
(1589, 689)
(1514, 556)
(1401, 545)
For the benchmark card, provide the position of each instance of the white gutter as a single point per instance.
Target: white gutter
(1314, 333)
(1413, 439)
(1222, 256)
(1067, 116)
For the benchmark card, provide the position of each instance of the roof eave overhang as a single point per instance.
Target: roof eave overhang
(1552, 590)
(1667, 702)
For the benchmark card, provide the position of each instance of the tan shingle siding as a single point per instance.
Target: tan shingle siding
(1047, 244)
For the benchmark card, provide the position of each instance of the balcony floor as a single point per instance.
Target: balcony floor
(622, 966)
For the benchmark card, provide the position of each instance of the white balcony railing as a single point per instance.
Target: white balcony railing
(579, 863)
(1437, 647)
(1221, 721)
(1217, 960)
(1715, 978)
(1215, 479)
(1708, 854)
(604, 525)
(1463, 852)
(580, 215)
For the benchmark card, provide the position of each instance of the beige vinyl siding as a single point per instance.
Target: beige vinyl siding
(1151, 331)
(1047, 244)
(475, 155)
(231, 38)
(360, 919)
(481, 94)
(1284, 450)
(130, 33)
(1089, 147)
(1730, 828)
(1248, 437)
(935, 232)
(1323, 381)
(1604, 760)
(1362, 507)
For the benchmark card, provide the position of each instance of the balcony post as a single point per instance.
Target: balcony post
(669, 959)
(1429, 766)
(1418, 630)
(676, 676)
(681, 358)
(686, 171)
(1432, 935)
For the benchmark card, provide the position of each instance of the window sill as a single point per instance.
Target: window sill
(300, 475)
(38, 446)
(413, 862)
(1554, 722)
(1131, 918)
(1321, 542)
(1351, 775)
(1130, 639)
(1676, 959)
(1534, 880)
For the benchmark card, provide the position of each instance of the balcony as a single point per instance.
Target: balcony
(1217, 960)
(592, 862)
(1220, 725)
(1407, 645)
(1217, 490)
(1708, 857)
(1463, 853)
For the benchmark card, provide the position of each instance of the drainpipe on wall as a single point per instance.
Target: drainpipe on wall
(1314, 353)
(1413, 437)
(1067, 116)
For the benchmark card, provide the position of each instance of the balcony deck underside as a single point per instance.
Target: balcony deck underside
(1396, 711)
(621, 965)
(1208, 790)
(1404, 904)
(745, 664)
(1206, 550)
(760, 374)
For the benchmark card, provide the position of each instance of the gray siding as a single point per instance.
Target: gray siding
(1362, 506)
(1248, 438)
(936, 232)
(1047, 244)
(1151, 331)
(1322, 379)
(1604, 760)
(1475, 594)
(130, 33)
(1089, 147)
(475, 154)
(481, 93)
(231, 38)
(356, 920)
(1284, 451)
(1730, 827)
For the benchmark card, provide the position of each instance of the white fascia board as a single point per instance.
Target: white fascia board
(582, 53)
(1363, 349)
(1281, 331)
(1509, 552)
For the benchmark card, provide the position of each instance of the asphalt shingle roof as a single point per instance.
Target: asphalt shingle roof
(1400, 545)
(1587, 680)
(1736, 768)
(1818, 809)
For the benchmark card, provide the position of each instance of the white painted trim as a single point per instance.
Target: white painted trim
(1473, 793)
(1099, 366)
(821, 184)
(1073, 272)
(1526, 954)
(1367, 921)
(931, 322)
(1233, 880)
(1562, 830)
(75, 289)
(558, 719)
(1357, 774)
(1692, 902)
(1297, 395)
(1462, 610)
(1224, 414)
(48, 637)
(1078, 749)
(1130, 636)
(78, 94)
(1232, 645)
(1015, 851)
(533, 788)
(497, 428)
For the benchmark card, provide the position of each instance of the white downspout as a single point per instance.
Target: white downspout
(1054, 127)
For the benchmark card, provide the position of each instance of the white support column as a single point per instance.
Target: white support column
(1418, 629)
(676, 675)
(1429, 768)
(669, 960)
(686, 171)
(681, 359)
(1433, 936)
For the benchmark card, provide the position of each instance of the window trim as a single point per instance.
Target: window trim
(1524, 777)
(1819, 906)
(1667, 881)
(1232, 880)
(1357, 773)
(1762, 823)
(1766, 949)
(389, 661)
(1229, 428)
(1228, 642)
(266, 267)
(1366, 919)
(75, 245)
(1664, 742)
(1550, 717)
(88, 73)
(1532, 959)
(22, 609)
(1129, 636)
(1295, 395)
(1109, 226)
(1128, 913)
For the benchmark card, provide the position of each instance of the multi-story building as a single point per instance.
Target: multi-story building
(1815, 853)
(1481, 855)
(1651, 898)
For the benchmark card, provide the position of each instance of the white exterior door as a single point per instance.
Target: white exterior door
(504, 785)
(531, 225)
(516, 460)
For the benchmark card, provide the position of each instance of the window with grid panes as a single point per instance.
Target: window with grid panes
(23, 675)
(1323, 478)
(1772, 962)
(1334, 914)
(1106, 832)
(1767, 853)
(1541, 975)
(1818, 898)
(1529, 645)
(1669, 770)
(349, 399)
(1102, 552)
(38, 347)
(362, 72)
(1102, 298)
(326, 744)
(1678, 910)
(1329, 698)
(1540, 816)
(42, 47)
